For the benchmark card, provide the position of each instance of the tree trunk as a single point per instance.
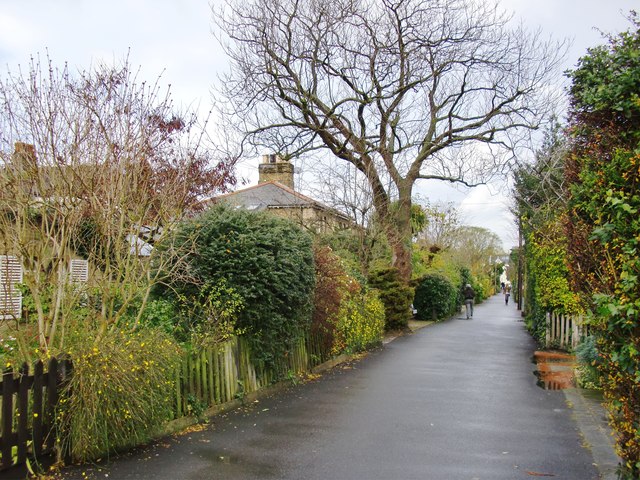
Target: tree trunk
(399, 234)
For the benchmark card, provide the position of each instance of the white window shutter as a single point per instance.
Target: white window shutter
(10, 296)
(79, 270)
(10, 304)
(10, 270)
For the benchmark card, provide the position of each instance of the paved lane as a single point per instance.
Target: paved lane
(456, 400)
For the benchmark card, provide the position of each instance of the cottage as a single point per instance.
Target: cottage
(275, 193)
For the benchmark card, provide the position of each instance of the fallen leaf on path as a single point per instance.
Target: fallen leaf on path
(538, 474)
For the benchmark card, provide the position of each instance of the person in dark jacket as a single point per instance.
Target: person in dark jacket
(469, 295)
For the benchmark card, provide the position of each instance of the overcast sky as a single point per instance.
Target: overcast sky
(173, 38)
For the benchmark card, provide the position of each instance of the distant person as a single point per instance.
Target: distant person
(502, 286)
(507, 293)
(469, 295)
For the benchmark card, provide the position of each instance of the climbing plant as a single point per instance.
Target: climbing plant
(541, 197)
(547, 266)
(603, 225)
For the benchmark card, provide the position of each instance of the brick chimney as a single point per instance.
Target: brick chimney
(24, 156)
(275, 169)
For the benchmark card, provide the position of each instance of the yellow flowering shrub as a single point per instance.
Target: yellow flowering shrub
(120, 393)
(360, 322)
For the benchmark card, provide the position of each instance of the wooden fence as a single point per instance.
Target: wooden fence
(565, 331)
(225, 372)
(209, 377)
(28, 410)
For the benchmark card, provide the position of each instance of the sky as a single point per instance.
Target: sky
(173, 39)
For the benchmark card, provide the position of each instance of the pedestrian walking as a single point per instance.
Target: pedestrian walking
(469, 295)
(507, 293)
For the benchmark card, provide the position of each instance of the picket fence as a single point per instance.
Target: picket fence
(565, 331)
(28, 410)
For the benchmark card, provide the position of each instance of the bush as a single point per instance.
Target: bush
(120, 393)
(435, 298)
(353, 249)
(267, 261)
(588, 359)
(332, 287)
(395, 295)
(360, 323)
(603, 223)
(481, 291)
(162, 313)
(205, 318)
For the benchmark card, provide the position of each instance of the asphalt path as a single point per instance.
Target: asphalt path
(455, 400)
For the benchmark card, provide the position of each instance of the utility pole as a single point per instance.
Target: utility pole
(520, 266)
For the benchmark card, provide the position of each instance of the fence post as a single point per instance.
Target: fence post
(63, 379)
(562, 328)
(230, 371)
(204, 366)
(217, 370)
(26, 412)
(23, 412)
(186, 383)
(38, 440)
(212, 382)
(178, 378)
(7, 417)
(548, 330)
(197, 379)
(52, 401)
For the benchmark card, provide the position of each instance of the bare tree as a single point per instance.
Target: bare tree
(403, 90)
(442, 220)
(344, 189)
(94, 166)
(540, 189)
(473, 246)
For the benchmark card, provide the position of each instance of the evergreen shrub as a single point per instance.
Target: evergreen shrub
(435, 298)
(266, 260)
(588, 359)
(481, 292)
(207, 317)
(395, 295)
(604, 222)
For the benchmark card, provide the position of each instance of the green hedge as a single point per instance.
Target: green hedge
(435, 298)
(266, 260)
(395, 295)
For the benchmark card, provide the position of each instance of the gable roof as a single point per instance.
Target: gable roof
(272, 195)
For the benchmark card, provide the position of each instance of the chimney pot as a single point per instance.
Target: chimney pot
(275, 169)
